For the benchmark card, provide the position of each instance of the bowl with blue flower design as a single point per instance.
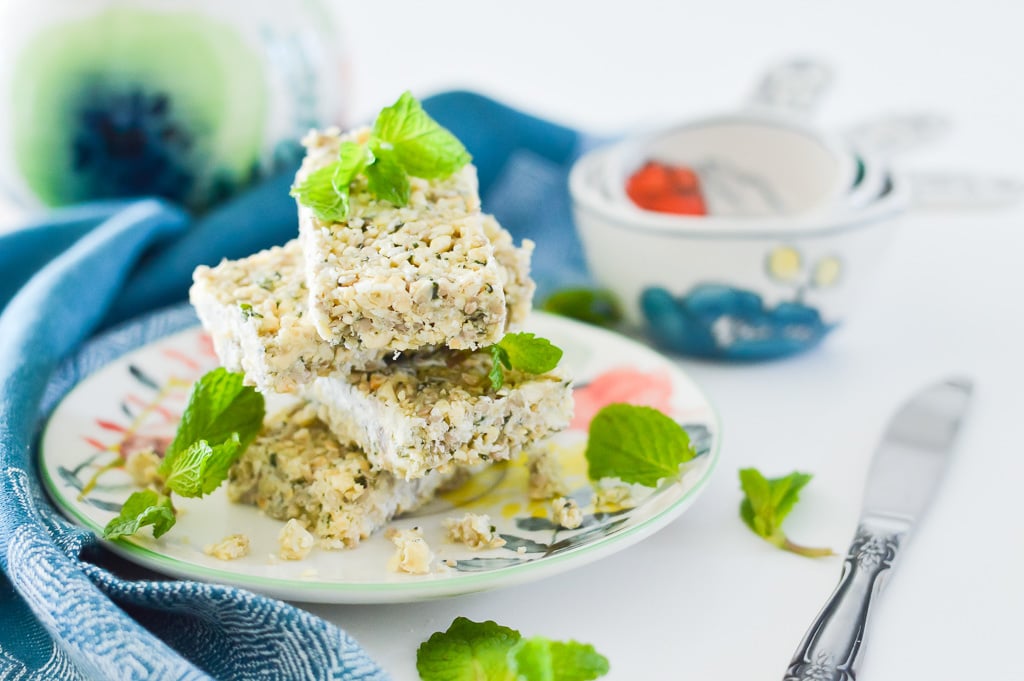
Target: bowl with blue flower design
(729, 288)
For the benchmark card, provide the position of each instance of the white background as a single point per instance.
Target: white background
(705, 599)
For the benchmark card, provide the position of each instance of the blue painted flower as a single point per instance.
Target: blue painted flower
(730, 323)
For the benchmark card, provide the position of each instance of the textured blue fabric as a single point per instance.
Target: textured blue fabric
(63, 614)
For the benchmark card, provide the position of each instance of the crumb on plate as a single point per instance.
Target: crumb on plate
(474, 530)
(412, 553)
(546, 479)
(231, 547)
(295, 542)
(567, 513)
(612, 495)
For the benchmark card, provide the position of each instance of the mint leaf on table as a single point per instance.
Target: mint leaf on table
(405, 141)
(524, 352)
(541, 659)
(487, 651)
(766, 504)
(467, 651)
(599, 307)
(636, 444)
(421, 145)
(222, 418)
(147, 507)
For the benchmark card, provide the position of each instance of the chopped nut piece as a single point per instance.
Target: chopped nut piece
(142, 466)
(612, 495)
(545, 476)
(412, 554)
(230, 548)
(295, 541)
(567, 513)
(473, 530)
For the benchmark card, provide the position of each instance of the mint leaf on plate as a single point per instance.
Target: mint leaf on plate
(766, 504)
(147, 507)
(420, 144)
(636, 444)
(219, 409)
(222, 417)
(200, 469)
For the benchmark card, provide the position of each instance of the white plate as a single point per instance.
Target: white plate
(135, 398)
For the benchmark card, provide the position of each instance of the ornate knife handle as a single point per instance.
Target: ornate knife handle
(831, 647)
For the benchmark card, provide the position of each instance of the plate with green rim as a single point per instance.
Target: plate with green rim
(125, 391)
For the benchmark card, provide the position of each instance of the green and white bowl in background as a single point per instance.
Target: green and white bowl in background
(187, 100)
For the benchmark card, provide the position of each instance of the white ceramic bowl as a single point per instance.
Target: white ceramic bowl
(736, 289)
(750, 165)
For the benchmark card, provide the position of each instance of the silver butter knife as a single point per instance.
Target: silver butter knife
(905, 471)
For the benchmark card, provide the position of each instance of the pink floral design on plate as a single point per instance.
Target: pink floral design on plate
(651, 389)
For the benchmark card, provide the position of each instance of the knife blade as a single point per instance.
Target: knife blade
(904, 474)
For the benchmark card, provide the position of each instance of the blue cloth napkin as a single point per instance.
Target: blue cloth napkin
(63, 613)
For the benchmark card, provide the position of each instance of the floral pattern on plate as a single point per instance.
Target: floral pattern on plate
(134, 397)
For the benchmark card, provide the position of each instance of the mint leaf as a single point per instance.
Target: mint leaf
(352, 160)
(486, 651)
(526, 352)
(326, 190)
(499, 362)
(319, 193)
(541, 659)
(219, 409)
(421, 145)
(222, 417)
(386, 179)
(219, 464)
(468, 651)
(766, 504)
(636, 445)
(599, 307)
(523, 352)
(147, 507)
(405, 141)
(200, 469)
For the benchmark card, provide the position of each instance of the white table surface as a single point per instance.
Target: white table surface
(706, 599)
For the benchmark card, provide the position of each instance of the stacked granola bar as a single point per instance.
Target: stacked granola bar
(376, 324)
